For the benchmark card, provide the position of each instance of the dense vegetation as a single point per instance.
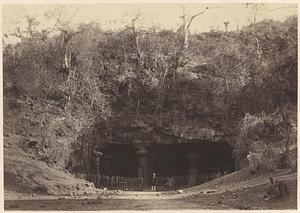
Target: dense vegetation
(78, 86)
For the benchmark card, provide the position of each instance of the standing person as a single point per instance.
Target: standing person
(253, 162)
(98, 155)
(153, 182)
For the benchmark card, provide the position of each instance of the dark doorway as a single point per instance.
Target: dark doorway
(173, 159)
(169, 160)
(120, 160)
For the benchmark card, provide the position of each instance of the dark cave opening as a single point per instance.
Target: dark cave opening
(168, 159)
(175, 159)
(119, 160)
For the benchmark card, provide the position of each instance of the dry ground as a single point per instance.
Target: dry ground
(222, 193)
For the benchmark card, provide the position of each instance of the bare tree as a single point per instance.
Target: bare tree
(186, 23)
(237, 25)
(226, 23)
(63, 26)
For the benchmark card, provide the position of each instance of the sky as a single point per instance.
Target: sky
(162, 15)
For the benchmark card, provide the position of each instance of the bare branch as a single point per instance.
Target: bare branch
(70, 19)
(278, 8)
(198, 14)
(194, 16)
(181, 6)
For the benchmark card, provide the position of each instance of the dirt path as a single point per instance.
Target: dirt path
(139, 195)
(125, 200)
(246, 194)
(105, 204)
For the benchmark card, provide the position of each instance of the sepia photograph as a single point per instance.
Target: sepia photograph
(150, 106)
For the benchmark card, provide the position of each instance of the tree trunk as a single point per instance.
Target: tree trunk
(185, 33)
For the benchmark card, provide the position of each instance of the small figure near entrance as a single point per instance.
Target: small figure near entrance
(97, 152)
(153, 188)
(253, 162)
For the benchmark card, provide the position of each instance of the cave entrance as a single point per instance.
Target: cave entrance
(188, 163)
(120, 160)
(192, 159)
(170, 159)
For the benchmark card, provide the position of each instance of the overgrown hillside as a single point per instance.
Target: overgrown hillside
(66, 89)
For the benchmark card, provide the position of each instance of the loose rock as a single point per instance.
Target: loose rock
(180, 191)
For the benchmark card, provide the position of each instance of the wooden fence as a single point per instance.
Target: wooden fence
(114, 182)
(137, 183)
(183, 181)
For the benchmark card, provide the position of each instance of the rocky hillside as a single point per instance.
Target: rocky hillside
(25, 175)
(85, 85)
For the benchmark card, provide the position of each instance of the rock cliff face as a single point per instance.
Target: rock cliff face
(25, 174)
(142, 135)
(46, 132)
(39, 144)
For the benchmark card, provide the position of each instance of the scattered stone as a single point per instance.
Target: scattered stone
(241, 207)
(180, 191)
(48, 178)
(32, 144)
(209, 191)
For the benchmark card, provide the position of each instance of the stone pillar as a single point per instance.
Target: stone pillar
(106, 169)
(142, 155)
(193, 170)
